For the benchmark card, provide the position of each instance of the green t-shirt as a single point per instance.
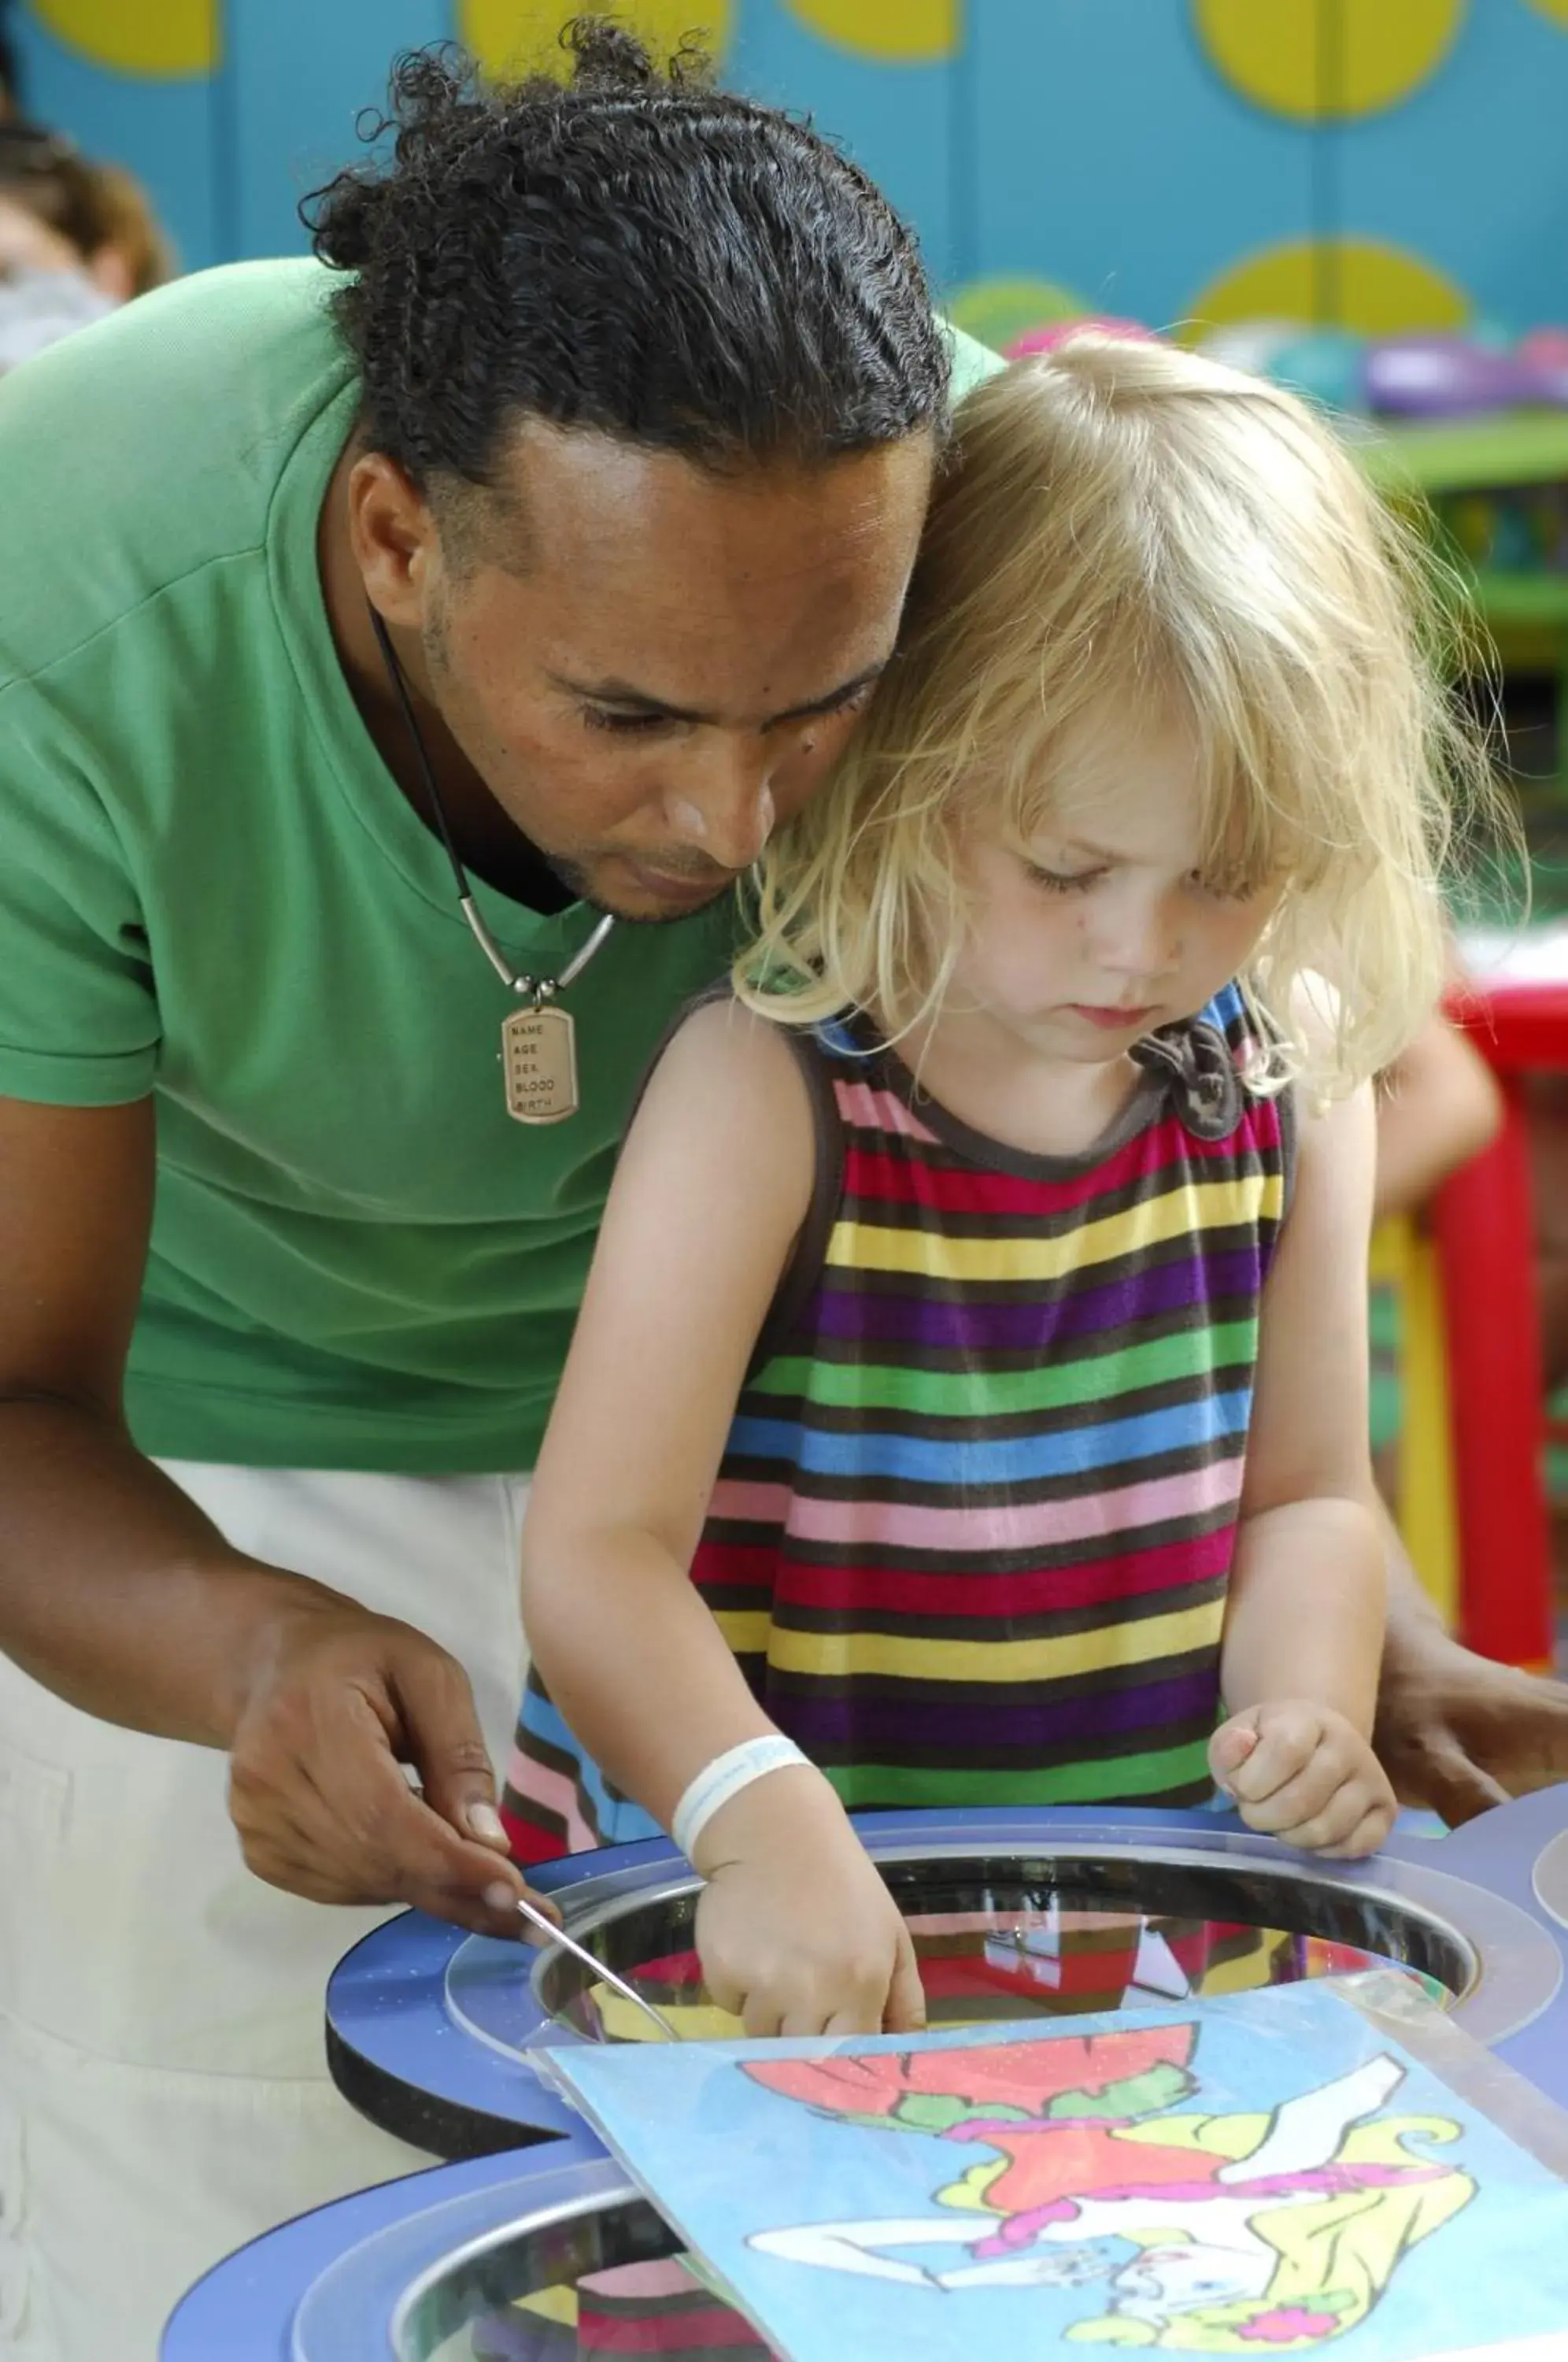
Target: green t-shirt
(211, 890)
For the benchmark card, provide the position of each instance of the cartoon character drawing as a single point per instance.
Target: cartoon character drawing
(1256, 2235)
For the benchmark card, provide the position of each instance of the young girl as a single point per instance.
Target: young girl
(1019, 1193)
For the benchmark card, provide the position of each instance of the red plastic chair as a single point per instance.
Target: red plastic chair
(1482, 1221)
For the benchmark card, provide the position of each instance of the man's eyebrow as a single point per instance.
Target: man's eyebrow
(637, 701)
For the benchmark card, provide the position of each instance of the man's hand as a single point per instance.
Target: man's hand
(1459, 1733)
(341, 1701)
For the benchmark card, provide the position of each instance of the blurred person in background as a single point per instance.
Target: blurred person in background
(77, 211)
(77, 239)
(1438, 1106)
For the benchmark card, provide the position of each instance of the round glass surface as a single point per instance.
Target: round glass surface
(559, 2284)
(648, 2308)
(605, 2280)
(998, 1939)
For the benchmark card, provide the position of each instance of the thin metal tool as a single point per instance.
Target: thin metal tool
(602, 1975)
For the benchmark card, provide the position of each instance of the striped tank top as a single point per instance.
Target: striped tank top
(972, 1529)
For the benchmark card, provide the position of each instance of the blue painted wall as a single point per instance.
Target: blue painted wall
(1087, 141)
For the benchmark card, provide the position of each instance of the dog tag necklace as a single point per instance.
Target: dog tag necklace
(538, 1043)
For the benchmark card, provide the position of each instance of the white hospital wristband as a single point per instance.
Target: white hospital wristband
(727, 1775)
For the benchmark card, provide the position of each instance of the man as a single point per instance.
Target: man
(351, 663)
(575, 537)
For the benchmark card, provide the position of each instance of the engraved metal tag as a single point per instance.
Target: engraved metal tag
(539, 1057)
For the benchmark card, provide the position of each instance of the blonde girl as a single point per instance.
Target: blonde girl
(969, 1405)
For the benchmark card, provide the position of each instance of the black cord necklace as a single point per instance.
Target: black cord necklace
(538, 1043)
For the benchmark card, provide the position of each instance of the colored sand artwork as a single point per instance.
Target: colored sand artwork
(1274, 2173)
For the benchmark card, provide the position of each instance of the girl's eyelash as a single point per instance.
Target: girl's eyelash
(1223, 889)
(1078, 881)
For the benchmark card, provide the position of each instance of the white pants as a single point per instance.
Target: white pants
(164, 2089)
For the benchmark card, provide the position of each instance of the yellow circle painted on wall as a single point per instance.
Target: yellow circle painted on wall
(523, 36)
(1556, 9)
(163, 40)
(1313, 59)
(1377, 289)
(891, 32)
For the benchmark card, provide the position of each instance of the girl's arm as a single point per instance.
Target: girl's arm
(796, 1931)
(1306, 1604)
(1304, 1622)
(712, 1188)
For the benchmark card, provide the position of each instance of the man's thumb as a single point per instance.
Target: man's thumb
(444, 1743)
(1451, 1785)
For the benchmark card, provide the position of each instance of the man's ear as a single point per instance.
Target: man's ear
(393, 538)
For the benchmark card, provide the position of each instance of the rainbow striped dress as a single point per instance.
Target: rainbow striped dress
(974, 1522)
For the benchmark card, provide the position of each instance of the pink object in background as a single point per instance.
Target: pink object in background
(1544, 358)
(1544, 349)
(1052, 333)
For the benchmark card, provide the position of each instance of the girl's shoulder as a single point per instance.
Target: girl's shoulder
(718, 1049)
(724, 1119)
(724, 1045)
(743, 1084)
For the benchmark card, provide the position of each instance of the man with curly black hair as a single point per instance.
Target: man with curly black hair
(410, 647)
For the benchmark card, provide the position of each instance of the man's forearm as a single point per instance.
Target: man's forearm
(1411, 1618)
(117, 1592)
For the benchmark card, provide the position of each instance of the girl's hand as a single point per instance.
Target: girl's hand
(1304, 1774)
(796, 1932)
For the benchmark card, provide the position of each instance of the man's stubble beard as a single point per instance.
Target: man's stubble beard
(575, 877)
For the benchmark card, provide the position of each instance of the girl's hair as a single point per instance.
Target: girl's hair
(92, 206)
(1124, 529)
